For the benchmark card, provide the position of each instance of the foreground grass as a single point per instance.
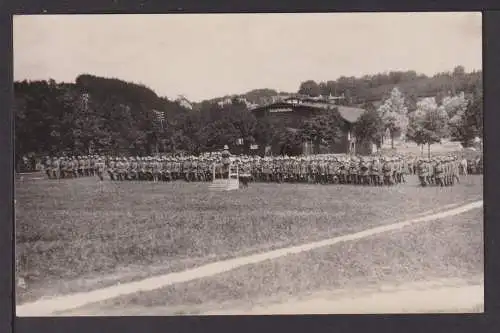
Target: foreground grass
(80, 234)
(447, 250)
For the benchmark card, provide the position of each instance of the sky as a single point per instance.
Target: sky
(204, 56)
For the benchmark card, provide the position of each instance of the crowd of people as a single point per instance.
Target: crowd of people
(320, 169)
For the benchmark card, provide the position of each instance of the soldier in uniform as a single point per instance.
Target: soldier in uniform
(186, 169)
(244, 169)
(48, 167)
(387, 170)
(81, 164)
(194, 168)
(133, 168)
(100, 166)
(354, 171)
(303, 169)
(439, 173)
(174, 168)
(125, 168)
(226, 161)
(150, 166)
(456, 169)
(375, 169)
(343, 171)
(332, 172)
(74, 167)
(165, 172)
(111, 168)
(65, 168)
(422, 172)
(447, 172)
(118, 169)
(463, 166)
(91, 166)
(156, 168)
(364, 172)
(266, 170)
(86, 166)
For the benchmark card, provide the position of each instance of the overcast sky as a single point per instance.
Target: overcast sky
(205, 56)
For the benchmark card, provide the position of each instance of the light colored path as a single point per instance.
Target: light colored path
(451, 299)
(46, 307)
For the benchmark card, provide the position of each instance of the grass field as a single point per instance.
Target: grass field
(75, 235)
(447, 252)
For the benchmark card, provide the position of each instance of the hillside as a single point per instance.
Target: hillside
(374, 88)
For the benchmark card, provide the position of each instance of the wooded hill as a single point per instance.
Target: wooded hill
(114, 116)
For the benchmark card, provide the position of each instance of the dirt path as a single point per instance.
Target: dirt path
(47, 307)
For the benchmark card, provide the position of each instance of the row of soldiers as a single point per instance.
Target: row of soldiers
(322, 169)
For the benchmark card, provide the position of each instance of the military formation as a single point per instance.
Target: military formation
(315, 169)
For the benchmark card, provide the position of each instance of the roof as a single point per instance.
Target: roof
(350, 114)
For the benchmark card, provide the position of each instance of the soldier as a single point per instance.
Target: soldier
(118, 169)
(100, 166)
(405, 170)
(447, 172)
(80, 166)
(323, 171)
(455, 170)
(343, 171)
(48, 166)
(303, 170)
(174, 169)
(387, 171)
(155, 168)
(364, 171)
(463, 166)
(244, 172)
(398, 170)
(266, 170)
(133, 168)
(150, 166)
(439, 173)
(55, 168)
(354, 171)
(86, 166)
(422, 172)
(186, 168)
(111, 168)
(430, 171)
(375, 169)
(91, 165)
(331, 171)
(194, 169)
(74, 167)
(63, 168)
(125, 168)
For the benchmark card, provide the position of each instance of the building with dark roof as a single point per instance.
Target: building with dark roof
(294, 110)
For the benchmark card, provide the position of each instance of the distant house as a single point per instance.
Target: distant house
(294, 110)
(225, 101)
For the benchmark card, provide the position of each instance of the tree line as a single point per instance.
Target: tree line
(106, 115)
(111, 116)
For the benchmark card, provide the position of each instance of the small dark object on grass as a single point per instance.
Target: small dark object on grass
(244, 181)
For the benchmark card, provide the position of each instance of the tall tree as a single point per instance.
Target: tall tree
(429, 123)
(394, 114)
(325, 128)
(310, 88)
(370, 127)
